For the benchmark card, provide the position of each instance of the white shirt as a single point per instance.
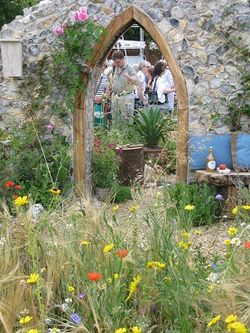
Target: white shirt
(160, 87)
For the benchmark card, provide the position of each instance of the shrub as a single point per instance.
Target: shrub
(202, 197)
(123, 193)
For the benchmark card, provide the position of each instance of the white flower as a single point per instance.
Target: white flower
(235, 241)
(64, 307)
(2, 241)
(212, 277)
(68, 300)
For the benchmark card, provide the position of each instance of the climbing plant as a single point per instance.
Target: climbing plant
(77, 38)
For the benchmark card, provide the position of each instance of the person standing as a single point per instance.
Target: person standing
(161, 87)
(170, 84)
(123, 84)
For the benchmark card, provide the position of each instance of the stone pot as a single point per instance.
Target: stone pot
(103, 193)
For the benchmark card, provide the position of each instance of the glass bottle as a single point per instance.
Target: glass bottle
(210, 161)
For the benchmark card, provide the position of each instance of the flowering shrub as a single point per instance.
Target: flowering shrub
(76, 39)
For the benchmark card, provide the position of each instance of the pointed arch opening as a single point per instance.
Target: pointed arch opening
(81, 129)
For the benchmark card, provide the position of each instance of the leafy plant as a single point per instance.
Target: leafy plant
(202, 197)
(105, 164)
(123, 193)
(150, 124)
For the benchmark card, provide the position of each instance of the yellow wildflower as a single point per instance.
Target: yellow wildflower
(133, 286)
(211, 288)
(235, 210)
(25, 320)
(185, 234)
(121, 330)
(136, 329)
(115, 277)
(108, 248)
(134, 208)
(115, 208)
(85, 242)
(214, 321)
(184, 245)
(33, 278)
(55, 191)
(227, 241)
(232, 231)
(71, 289)
(237, 327)
(197, 232)
(168, 279)
(21, 201)
(55, 330)
(231, 318)
(155, 265)
(189, 207)
(246, 207)
(33, 330)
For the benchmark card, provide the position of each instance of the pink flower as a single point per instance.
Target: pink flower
(65, 25)
(59, 31)
(82, 16)
(50, 126)
(96, 18)
(75, 16)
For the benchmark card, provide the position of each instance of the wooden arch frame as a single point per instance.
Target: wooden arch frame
(120, 24)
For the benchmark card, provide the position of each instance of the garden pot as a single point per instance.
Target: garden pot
(131, 167)
(103, 193)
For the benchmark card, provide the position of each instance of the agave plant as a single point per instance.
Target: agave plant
(150, 124)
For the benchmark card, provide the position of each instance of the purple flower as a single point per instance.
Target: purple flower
(76, 318)
(59, 31)
(81, 296)
(219, 197)
(51, 126)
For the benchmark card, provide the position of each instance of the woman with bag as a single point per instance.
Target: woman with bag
(160, 88)
(99, 116)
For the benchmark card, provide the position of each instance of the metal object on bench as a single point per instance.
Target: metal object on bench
(226, 184)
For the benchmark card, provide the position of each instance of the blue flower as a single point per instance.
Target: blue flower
(75, 318)
(213, 265)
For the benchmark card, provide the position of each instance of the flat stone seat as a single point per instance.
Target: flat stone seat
(226, 184)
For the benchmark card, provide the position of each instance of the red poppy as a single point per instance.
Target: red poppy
(247, 245)
(122, 253)
(9, 184)
(94, 276)
(18, 187)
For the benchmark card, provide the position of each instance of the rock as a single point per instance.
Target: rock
(35, 211)
(155, 14)
(226, 89)
(174, 22)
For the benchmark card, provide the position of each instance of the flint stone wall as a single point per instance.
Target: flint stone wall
(209, 66)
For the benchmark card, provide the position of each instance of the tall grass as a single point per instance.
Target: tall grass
(172, 289)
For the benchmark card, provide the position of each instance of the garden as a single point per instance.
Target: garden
(145, 259)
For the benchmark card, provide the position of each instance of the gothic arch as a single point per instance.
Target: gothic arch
(80, 131)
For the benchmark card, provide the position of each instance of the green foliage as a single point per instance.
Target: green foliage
(150, 124)
(74, 50)
(36, 166)
(11, 8)
(105, 164)
(123, 193)
(239, 104)
(202, 197)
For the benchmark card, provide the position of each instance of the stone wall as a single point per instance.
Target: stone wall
(192, 29)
